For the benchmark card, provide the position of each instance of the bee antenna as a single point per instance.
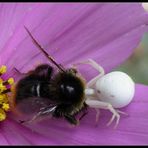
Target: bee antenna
(43, 51)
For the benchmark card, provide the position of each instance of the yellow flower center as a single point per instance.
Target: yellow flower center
(5, 87)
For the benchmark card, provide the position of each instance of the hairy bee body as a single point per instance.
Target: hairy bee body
(34, 83)
(41, 88)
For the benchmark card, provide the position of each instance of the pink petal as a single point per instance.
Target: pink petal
(10, 17)
(107, 33)
(16, 134)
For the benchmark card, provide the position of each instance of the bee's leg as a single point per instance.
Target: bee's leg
(24, 121)
(84, 110)
(95, 65)
(84, 113)
(21, 121)
(71, 119)
(104, 105)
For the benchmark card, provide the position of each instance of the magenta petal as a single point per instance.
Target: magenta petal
(16, 134)
(132, 129)
(10, 17)
(106, 32)
(3, 140)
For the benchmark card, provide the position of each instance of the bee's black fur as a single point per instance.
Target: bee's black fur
(64, 89)
(41, 75)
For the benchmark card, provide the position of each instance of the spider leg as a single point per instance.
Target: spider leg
(97, 115)
(84, 113)
(96, 66)
(121, 112)
(103, 105)
(84, 110)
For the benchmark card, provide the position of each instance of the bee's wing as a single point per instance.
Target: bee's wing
(43, 113)
(33, 108)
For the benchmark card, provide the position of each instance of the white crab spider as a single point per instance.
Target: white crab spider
(108, 91)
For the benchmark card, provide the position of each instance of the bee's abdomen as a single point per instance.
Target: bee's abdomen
(26, 89)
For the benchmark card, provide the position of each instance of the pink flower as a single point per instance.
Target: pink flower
(71, 32)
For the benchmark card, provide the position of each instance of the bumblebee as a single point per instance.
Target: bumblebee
(46, 91)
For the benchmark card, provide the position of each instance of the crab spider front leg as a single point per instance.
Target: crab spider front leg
(104, 105)
(94, 65)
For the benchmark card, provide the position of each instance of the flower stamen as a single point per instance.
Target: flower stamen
(5, 87)
(8, 82)
(6, 91)
(3, 69)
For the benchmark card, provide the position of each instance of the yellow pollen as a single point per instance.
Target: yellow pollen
(3, 98)
(2, 115)
(3, 69)
(2, 87)
(10, 81)
(5, 87)
(5, 106)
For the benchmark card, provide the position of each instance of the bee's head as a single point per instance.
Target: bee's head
(69, 87)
